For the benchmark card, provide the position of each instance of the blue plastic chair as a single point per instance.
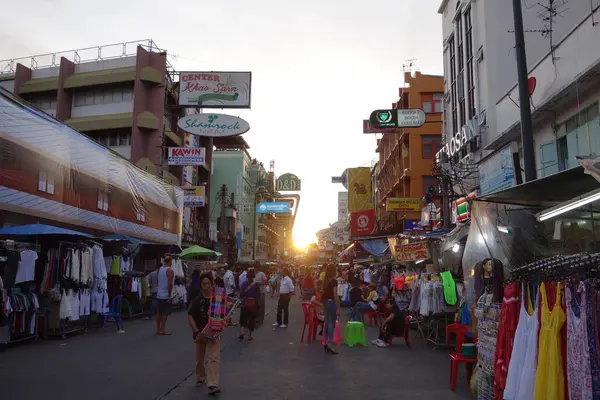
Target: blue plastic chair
(114, 313)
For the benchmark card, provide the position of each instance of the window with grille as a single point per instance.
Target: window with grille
(46, 182)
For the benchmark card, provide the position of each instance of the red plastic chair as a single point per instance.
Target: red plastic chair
(456, 356)
(406, 333)
(373, 316)
(310, 320)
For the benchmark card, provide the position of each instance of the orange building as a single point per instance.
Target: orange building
(406, 158)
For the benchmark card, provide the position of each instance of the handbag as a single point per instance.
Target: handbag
(250, 304)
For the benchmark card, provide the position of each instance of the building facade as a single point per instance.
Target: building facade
(124, 96)
(406, 158)
(481, 90)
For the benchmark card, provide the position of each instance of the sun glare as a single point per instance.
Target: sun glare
(302, 238)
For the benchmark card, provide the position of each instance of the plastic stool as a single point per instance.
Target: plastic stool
(354, 333)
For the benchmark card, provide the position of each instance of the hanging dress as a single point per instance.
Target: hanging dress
(579, 375)
(549, 377)
(590, 323)
(520, 380)
(509, 318)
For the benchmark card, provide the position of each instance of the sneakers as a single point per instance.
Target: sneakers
(214, 390)
(379, 343)
(283, 326)
(375, 342)
(275, 325)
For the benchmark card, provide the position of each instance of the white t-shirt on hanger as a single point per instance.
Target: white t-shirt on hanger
(26, 269)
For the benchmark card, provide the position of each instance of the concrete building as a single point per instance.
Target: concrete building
(481, 91)
(406, 158)
(125, 97)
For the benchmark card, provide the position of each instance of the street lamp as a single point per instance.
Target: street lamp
(258, 192)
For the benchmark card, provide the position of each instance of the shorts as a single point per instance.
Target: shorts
(163, 307)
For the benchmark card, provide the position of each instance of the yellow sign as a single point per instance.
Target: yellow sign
(403, 204)
(359, 189)
(194, 196)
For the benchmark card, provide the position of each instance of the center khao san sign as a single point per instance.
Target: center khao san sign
(406, 118)
(215, 89)
(213, 125)
(288, 183)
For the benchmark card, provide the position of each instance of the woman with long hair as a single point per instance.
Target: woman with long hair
(209, 349)
(331, 305)
(250, 294)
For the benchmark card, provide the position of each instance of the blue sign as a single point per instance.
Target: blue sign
(497, 173)
(280, 207)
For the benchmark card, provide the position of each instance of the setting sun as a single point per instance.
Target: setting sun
(303, 236)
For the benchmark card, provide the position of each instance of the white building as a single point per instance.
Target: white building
(563, 55)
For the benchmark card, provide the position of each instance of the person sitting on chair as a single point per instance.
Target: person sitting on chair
(393, 325)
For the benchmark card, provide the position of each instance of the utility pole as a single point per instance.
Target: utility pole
(524, 106)
(254, 215)
(223, 234)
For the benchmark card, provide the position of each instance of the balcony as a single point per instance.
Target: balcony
(198, 236)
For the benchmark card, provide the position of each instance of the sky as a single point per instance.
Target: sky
(318, 68)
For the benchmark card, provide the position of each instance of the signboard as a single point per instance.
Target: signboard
(411, 252)
(458, 141)
(407, 118)
(340, 232)
(368, 128)
(186, 156)
(337, 179)
(288, 183)
(215, 89)
(497, 172)
(213, 125)
(407, 204)
(362, 223)
(359, 189)
(279, 207)
(342, 206)
(194, 196)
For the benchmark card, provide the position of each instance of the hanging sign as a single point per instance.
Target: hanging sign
(362, 222)
(407, 118)
(278, 207)
(194, 196)
(215, 89)
(288, 183)
(411, 252)
(213, 125)
(403, 204)
(186, 156)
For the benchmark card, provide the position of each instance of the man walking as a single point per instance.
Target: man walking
(261, 279)
(164, 295)
(153, 286)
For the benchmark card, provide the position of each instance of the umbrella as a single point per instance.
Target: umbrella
(39, 229)
(196, 251)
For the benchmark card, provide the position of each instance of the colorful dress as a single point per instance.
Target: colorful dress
(579, 375)
(509, 318)
(520, 381)
(549, 377)
(592, 336)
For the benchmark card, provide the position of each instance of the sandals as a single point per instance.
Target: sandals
(200, 382)
(165, 333)
(213, 390)
(241, 337)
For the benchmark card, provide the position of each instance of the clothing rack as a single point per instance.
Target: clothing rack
(560, 267)
(11, 244)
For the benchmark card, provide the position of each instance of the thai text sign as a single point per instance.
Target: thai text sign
(194, 196)
(278, 207)
(186, 156)
(215, 89)
(411, 252)
(407, 204)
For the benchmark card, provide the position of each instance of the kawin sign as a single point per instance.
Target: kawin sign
(213, 125)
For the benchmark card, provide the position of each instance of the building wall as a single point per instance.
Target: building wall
(403, 166)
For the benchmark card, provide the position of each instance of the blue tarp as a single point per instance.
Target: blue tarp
(120, 236)
(376, 247)
(39, 229)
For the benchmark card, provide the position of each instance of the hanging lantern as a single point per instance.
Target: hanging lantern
(462, 210)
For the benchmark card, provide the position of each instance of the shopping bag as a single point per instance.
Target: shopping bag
(268, 289)
(337, 335)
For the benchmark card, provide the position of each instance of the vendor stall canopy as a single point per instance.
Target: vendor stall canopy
(70, 167)
(197, 251)
(39, 229)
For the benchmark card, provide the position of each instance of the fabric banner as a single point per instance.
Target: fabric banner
(408, 252)
(359, 189)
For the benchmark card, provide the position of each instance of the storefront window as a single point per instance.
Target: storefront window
(579, 135)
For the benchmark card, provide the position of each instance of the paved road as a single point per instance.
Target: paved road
(140, 365)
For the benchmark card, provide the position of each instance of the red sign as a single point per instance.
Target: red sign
(412, 252)
(362, 223)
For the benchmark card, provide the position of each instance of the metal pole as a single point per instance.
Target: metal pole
(525, 108)
(254, 221)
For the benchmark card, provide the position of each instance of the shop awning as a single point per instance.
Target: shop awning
(376, 247)
(120, 236)
(38, 229)
(546, 191)
(197, 251)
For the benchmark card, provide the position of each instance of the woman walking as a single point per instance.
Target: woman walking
(331, 304)
(205, 347)
(250, 294)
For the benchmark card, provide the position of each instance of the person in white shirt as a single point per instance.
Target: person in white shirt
(286, 290)
(229, 281)
(367, 275)
(261, 279)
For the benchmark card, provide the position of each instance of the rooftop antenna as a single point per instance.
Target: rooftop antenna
(409, 64)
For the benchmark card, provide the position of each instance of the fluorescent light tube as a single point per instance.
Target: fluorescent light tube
(568, 206)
